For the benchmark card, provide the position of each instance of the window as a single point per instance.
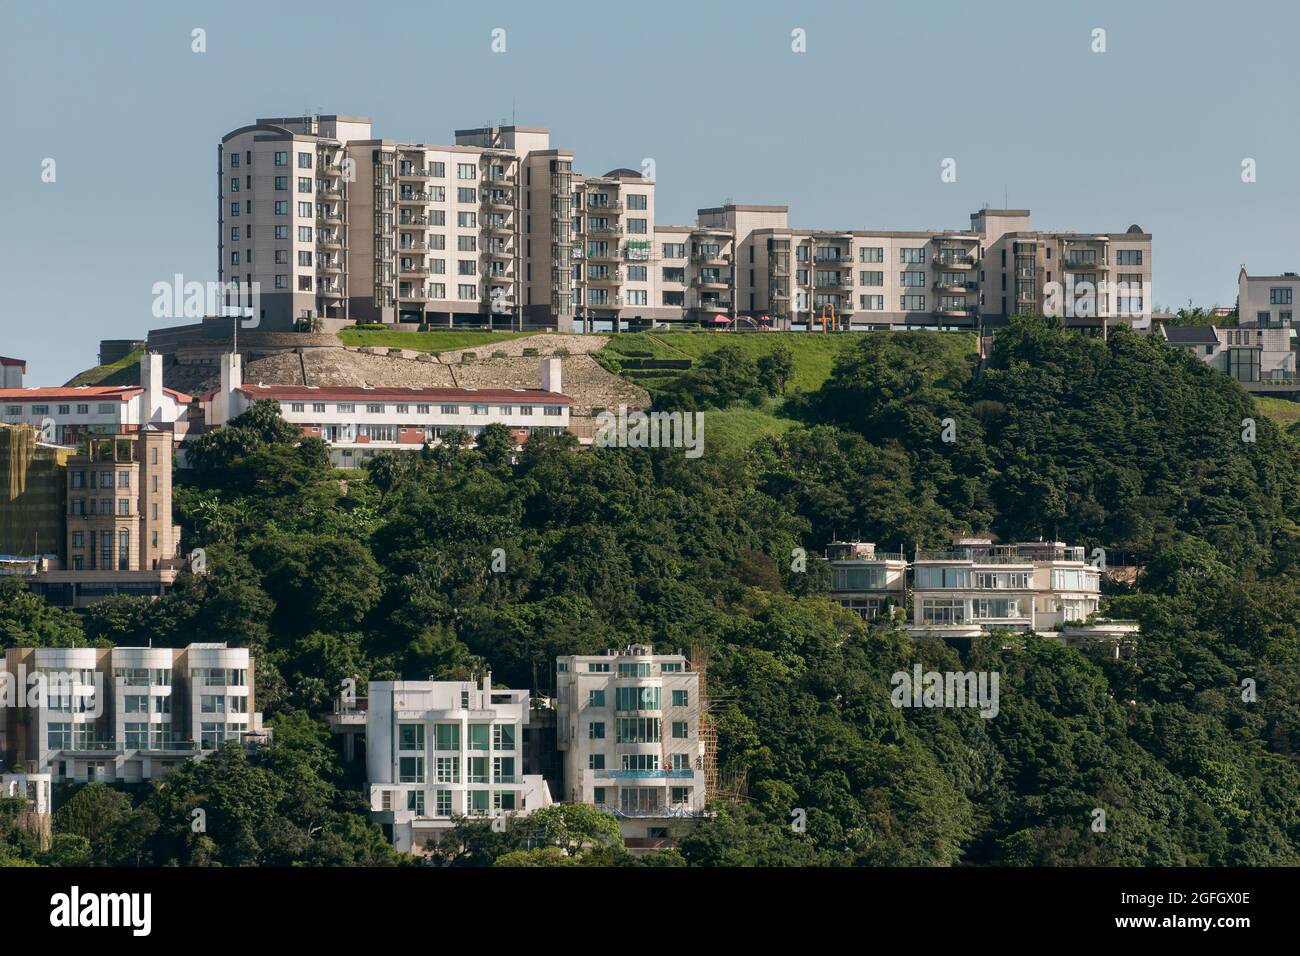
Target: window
(410, 737)
(447, 737)
(912, 254)
(446, 769)
(136, 704)
(681, 730)
(503, 770)
(410, 770)
(872, 303)
(415, 801)
(1280, 295)
(681, 698)
(1128, 257)
(871, 278)
(476, 770)
(442, 803)
(634, 670)
(596, 698)
(281, 159)
(637, 730)
(595, 761)
(304, 160)
(596, 730)
(912, 303)
(637, 698)
(636, 201)
(503, 737)
(478, 736)
(871, 254)
(597, 668)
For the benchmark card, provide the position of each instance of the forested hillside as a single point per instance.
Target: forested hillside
(1125, 444)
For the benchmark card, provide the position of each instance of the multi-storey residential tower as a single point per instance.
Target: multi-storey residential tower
(437, 750)
(125, 713)
(628, 727)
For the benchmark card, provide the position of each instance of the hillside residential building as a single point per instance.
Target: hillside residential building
(628, 727)
(64, 414)
(125, 713)
(359, 422)
(439, 750)
(1267, 302)
(976, 586)
(865, 580)
(119, 534)
(332, 223)
(1255, 355)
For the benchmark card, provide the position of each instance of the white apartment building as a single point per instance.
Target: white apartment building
(335, 224)
(628, 727)
(867, 581)
(125, 713)
(360, 422)
(66, 413)
(440, 750)
(1256, 355)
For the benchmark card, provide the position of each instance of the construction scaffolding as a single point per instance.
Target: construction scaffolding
(731, 787)
(33, 490)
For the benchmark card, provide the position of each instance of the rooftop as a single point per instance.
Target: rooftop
(403, 393)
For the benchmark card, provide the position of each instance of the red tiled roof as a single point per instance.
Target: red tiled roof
(120, 393)
(308, 393)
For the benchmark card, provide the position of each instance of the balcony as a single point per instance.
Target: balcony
(413, 221)
(712, 258)
(711, 282)
(490, 201)
(415, 173)
(600, 209)
(412, 270)
(714, 305)
(643, 774)
(498, 228)
(417, 197)
(329, 265)
(413, 295)
(499, 252)
(614, 277)
(955, 311)
(947, 260)
(609, 255)
(953, 286)
(605, 231)
(413, 247)
(502, 180)
(829, 260)
(499, 278)
(972, 557)
(324, 241)
(323, 216)
(1083, 264)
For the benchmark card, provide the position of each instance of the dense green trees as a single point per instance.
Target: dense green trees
(455, 559)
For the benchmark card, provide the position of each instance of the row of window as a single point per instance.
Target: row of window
(637, 698)
(447, 737)
(641, 762)
(376, 408)
(477, 802)
(102, 408)
(629, 669)
(448, 770)
(638, 730)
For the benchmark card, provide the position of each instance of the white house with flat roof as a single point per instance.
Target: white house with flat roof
(865, 580)
(440, 750)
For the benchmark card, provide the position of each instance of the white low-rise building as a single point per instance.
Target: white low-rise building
(629, 730)
(66, 413)
(440, 750)
(865, 580)
(359, 422)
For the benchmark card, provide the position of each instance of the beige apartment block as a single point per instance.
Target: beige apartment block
(499, 227)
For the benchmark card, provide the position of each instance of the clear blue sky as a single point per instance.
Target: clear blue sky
(850, 134)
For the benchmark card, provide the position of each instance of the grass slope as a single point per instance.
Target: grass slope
(125, 371)
(426, 341)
